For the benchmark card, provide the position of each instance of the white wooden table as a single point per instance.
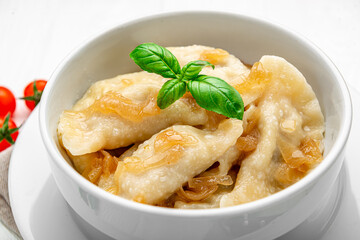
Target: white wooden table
(35, 35)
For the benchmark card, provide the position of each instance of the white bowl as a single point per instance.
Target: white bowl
(107, 55)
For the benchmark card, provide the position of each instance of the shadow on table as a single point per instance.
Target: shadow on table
(337, 218)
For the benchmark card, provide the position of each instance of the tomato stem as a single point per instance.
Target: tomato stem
(35, 97)
(5, 132)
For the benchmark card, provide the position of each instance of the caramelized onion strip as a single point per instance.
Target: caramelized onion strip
(136, 165)
(196, 195)
(202, 187)
(113, 102)
(302, 158)
(200, 182)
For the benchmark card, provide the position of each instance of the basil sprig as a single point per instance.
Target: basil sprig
(211, 93)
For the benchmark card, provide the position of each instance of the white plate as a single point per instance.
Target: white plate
(41, 213)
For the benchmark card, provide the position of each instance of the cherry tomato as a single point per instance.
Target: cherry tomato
(8, 132)
(7, 101)
(33, 92)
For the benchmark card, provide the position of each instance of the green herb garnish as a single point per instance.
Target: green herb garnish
(211, 93)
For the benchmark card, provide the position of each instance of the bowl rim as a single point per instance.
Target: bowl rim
(246, 208)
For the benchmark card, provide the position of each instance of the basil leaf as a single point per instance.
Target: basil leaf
(216, 95)
(156, 59)
(192, 69)
(171, 91)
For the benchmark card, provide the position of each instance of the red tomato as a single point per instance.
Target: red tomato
(33, 92)
(7, 102)
(8, 132)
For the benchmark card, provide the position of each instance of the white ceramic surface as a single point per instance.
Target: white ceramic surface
(41, 212)
(106, 56)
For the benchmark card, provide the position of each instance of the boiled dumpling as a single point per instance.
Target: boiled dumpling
(166, 161)
(291, 128)
(121, 111)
